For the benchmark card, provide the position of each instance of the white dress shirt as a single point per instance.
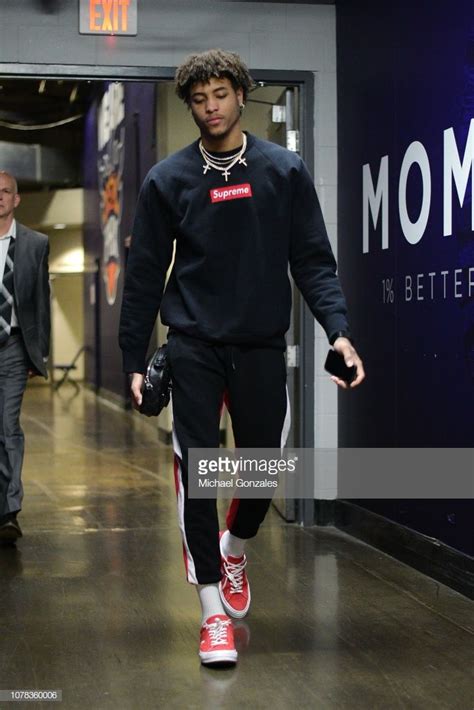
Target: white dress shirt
(4, 245)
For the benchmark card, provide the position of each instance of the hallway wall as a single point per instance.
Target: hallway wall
(66, 268)
(406, 109)
(113, 174)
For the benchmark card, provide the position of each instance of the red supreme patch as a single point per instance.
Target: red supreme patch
(230, 192)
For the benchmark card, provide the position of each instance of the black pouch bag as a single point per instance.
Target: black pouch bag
(157, 384)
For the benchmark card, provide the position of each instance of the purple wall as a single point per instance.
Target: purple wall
(115, 169)
(405, 75)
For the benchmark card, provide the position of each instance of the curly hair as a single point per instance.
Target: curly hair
(213, 63)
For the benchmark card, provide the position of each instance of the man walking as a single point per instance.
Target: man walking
(240, 210)
(24, 342)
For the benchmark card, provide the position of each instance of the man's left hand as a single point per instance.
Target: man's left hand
(345, 348)
(32, 373)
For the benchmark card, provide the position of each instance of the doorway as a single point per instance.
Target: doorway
(280, 109)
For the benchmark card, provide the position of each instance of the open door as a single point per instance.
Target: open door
(273, 112)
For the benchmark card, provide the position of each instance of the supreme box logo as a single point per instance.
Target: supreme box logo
(230, 192)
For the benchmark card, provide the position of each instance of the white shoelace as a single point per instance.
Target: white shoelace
(218, 632)
(234, 571)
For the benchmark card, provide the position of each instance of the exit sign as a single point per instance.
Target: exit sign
(108, 17)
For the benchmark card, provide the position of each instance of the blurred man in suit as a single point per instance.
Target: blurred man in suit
(24, 342)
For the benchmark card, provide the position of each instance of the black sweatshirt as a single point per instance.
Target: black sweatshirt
(234, 241)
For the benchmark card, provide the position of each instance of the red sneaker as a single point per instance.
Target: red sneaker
(234, 588)
(217, 640)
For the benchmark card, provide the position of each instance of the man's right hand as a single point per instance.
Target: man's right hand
(136, 386)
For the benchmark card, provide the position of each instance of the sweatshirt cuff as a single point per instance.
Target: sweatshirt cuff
(341, 334)
(133, 363)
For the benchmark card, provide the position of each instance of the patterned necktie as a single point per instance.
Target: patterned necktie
(6, 294)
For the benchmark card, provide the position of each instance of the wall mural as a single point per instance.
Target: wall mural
(119, 131)
(110, 158)
(406, 236)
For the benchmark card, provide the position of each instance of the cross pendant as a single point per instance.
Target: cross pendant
(206, 168)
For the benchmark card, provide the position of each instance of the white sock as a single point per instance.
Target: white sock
(232, 546)
(210, 600)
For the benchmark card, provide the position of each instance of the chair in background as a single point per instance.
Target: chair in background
(67, 369)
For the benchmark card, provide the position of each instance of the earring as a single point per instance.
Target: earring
(242, 106)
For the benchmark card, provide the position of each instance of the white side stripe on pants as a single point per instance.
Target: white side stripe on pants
(191, 570)
(287, 422)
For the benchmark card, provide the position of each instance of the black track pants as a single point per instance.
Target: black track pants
(253, 382)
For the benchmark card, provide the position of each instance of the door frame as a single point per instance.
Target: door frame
(305, 509)
(305, 80)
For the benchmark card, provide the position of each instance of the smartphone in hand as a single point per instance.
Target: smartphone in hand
(336, 366)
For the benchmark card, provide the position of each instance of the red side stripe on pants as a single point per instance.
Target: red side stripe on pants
(232, 512)
(234, 504)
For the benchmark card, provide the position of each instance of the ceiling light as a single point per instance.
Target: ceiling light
(73, 95)
(42, 86)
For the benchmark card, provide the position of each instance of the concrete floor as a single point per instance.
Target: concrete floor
(93, 599)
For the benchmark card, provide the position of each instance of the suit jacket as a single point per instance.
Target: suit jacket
(32, 297)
